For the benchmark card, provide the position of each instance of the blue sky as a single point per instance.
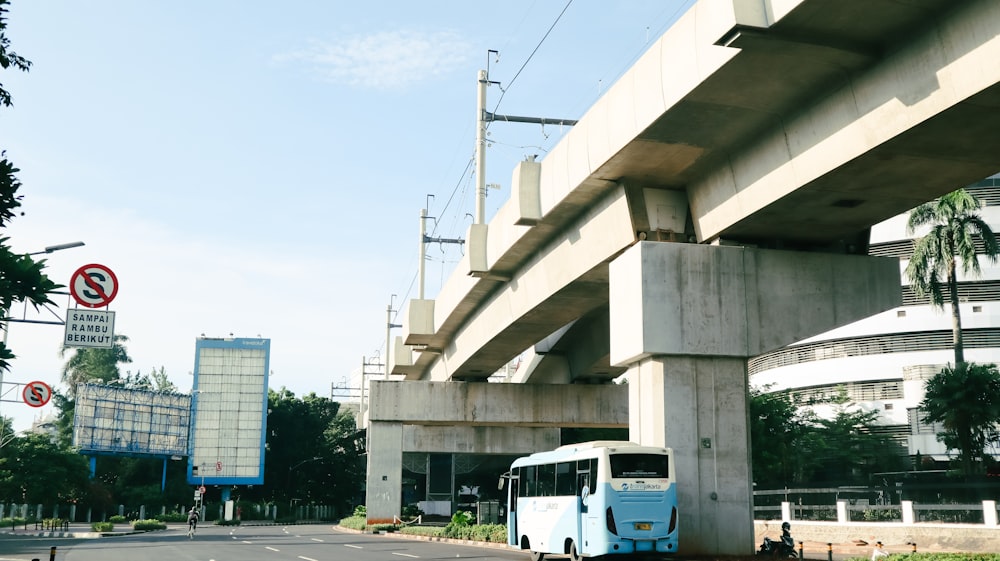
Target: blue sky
(258, 169)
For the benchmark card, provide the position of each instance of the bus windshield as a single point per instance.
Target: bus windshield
(630, 466)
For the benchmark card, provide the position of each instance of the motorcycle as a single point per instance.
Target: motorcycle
(778, 548)
(784, 548)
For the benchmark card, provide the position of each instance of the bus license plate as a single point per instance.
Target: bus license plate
(643, 526)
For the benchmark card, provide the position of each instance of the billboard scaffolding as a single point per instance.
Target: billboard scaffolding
(111, 420)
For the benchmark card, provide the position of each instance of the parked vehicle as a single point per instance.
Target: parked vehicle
(784, 548)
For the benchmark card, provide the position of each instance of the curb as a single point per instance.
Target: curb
(453, 541)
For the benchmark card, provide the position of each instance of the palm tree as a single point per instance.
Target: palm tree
(955, 228)
(966, 401)
(89, 364)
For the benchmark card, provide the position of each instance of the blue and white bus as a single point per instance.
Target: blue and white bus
(591, 499)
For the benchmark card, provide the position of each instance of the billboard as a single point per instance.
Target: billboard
(111, 420)
(228, 411)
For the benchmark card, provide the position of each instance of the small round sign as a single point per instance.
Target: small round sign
(201, 489)
(93, 286)
(36, 394)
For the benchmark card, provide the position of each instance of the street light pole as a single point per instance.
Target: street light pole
(288, 483)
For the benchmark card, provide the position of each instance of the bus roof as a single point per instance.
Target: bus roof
(586, 450)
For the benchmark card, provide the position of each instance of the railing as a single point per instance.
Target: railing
(907, 512)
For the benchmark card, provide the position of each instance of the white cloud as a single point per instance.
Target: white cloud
(384, 60)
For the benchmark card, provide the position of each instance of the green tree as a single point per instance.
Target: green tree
(847, 447)
(775, 428)
(34, 469)
(955, 227)
(314, 452)
(161, 382)
(965, 399)
(8, 58)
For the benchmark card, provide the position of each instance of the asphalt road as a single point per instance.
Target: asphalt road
(245, 543)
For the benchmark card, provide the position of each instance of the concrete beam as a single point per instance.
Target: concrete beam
(479, 440)
(687, 299)
(484, 404)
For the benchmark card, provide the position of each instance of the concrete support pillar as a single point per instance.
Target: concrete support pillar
(384, 494)
(787, 514)
(684, 319)
(698, 407)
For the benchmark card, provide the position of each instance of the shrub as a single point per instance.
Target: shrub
(361, 511)
(495, 533)
(411, 511)
(146, 525)
(8, 522)
(117, 519)
(354, 522)
(53, 523)
(103, 527)
(431, 531)
(459, 528)
(172, 517)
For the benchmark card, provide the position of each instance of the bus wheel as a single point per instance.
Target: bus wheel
(537, 555)
(573, 554)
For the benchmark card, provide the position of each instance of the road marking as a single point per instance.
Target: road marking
(306, 558)
(354, 546)
(316, 540)
(406, 555)
(246, 541)
(271, 548)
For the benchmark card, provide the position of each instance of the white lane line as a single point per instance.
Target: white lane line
(306, 558)
(354, 546)
(406, 555)
(246, 541)
(316, 540)
(271, 548)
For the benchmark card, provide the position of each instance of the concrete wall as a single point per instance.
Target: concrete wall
(895, 536)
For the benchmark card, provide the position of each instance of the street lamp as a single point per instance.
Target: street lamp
(57, 247)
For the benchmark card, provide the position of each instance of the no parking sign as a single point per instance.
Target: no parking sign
(36, 394)
(93, 286)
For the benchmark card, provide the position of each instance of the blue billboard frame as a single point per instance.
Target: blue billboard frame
(206, 476)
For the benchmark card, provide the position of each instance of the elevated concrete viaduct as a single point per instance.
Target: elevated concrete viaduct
(713, 205)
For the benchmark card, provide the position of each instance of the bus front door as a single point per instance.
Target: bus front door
(512, 494)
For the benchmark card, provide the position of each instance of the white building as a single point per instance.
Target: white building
(884, 361)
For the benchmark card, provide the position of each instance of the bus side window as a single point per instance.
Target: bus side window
(582, 476)
(547, 480)
(565, 479)
(528, 479)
